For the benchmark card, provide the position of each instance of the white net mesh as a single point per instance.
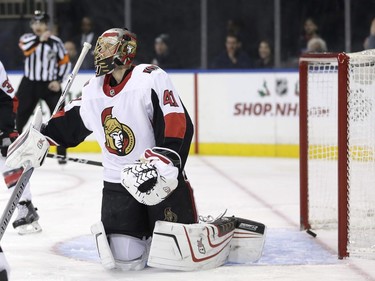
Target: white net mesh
(322, 124)
(361, 160)
(322, 144)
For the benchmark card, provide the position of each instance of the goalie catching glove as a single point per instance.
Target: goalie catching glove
(154, 178)
(30, 147)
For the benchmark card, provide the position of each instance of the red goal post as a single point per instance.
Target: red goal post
(337, 148)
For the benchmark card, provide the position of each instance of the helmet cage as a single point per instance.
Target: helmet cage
(114, 47)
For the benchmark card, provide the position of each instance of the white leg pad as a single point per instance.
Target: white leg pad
(120, 251)
(190, 247)
(247, 242)
(102, 245)
(130, 253)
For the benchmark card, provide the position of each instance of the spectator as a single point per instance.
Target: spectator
(163, 55)
(237, 27)
(316, 45)
(370, 40)
(87, 35)
(265, 58)
(310, 30)
(71, 48)
(233, 56)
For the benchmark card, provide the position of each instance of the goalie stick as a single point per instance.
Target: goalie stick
(82, 55)
(86, 47)
(77, 160)
(15, 198)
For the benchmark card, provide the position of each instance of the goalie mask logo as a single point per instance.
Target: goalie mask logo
(119, 138)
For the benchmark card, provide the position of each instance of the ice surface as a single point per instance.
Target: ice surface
(261, 189)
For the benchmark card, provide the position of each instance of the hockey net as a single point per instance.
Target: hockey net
(337, 148)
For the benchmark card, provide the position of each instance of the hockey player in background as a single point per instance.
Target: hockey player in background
(8, 133)
(46, 64)
(27, 219)
(145, 132)
(8, 109)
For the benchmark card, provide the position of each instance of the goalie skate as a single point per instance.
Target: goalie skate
(3, 275)
(27, 219)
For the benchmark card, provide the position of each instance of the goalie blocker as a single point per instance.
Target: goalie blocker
(206, 245)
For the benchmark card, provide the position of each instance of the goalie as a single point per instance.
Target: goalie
(145, 133)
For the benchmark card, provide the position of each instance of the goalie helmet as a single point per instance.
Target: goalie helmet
(116, 46)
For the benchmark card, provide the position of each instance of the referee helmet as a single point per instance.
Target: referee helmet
(40, 16)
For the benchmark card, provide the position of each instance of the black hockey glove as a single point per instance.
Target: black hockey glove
(5, 140)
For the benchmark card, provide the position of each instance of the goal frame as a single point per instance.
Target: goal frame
(342, 127)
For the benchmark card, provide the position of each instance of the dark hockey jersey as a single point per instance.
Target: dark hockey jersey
(8, 103)
(141, 112)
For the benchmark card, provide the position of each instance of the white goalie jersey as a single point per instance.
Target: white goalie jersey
(141, 112)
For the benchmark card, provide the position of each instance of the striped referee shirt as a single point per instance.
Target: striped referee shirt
(44, 61)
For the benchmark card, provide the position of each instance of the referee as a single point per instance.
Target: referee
(46, 65)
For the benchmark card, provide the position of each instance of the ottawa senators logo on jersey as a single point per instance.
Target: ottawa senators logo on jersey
(119, 138)
(169, 215)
